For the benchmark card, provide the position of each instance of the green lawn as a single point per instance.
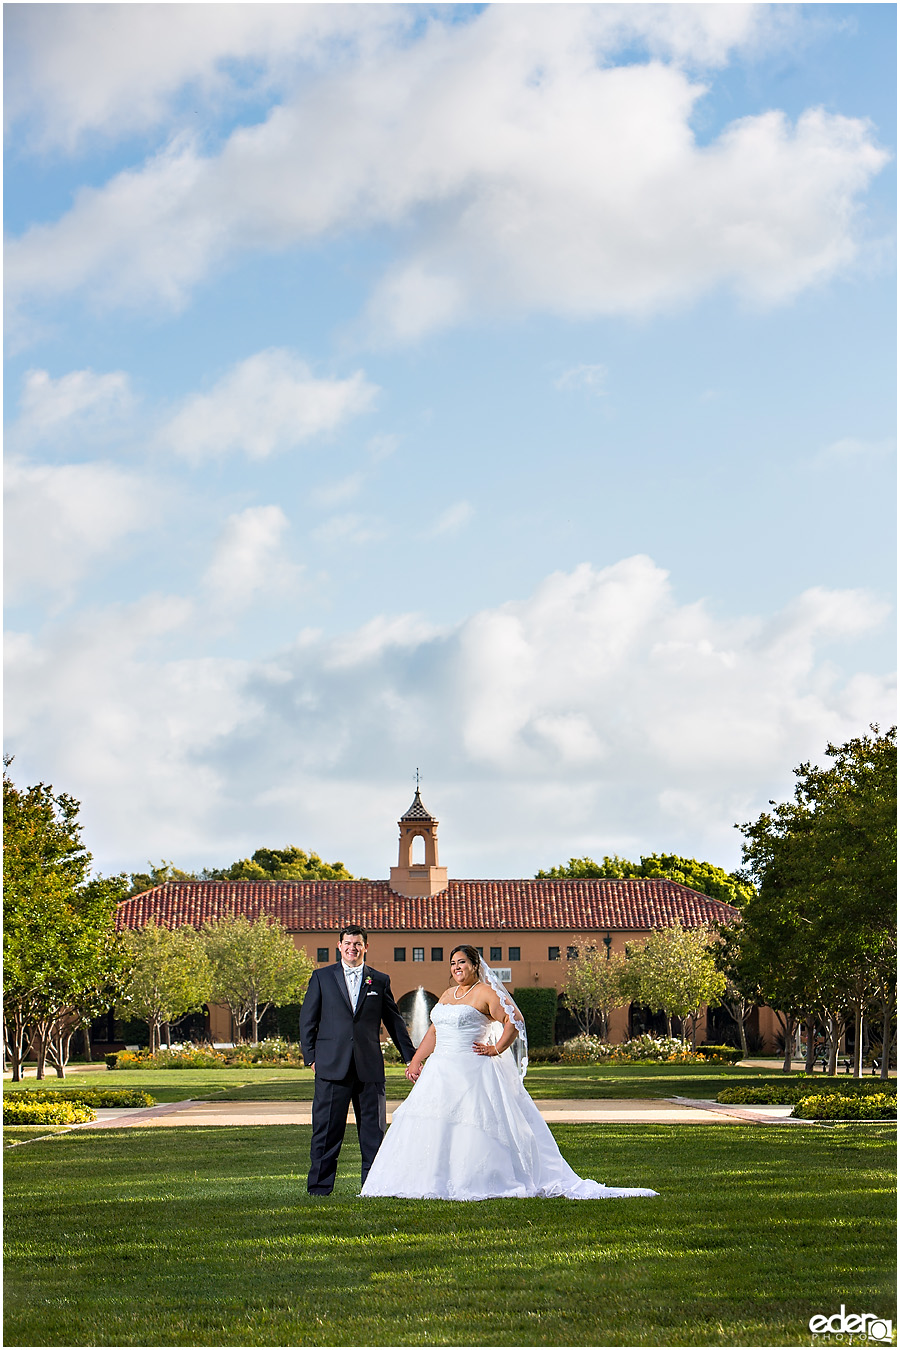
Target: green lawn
(206, 1237)
(592, 1081)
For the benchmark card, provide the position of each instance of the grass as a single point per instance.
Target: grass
(544, 1081)
(124, 1238)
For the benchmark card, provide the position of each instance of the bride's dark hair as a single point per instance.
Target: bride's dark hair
(469, 953)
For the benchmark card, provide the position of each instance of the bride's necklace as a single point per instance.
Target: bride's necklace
(468, 989)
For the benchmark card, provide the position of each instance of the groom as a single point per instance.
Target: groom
(340, 1020)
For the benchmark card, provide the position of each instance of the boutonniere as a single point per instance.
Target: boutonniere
(368, 979)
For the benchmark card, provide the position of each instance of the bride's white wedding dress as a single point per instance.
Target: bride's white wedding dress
(470, 1131)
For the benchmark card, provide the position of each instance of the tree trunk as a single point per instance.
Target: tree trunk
(788, 1022)
(835, 1027)
(887, 1038)
(742, 1032)
(86, 1034)
(810, 1043)
(857, 1041)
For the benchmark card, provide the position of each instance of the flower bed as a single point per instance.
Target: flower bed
(274, 1053)
(656, 1049)
(16, 1112)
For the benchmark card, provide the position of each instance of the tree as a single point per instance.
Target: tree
(705, 877)
(740, 995)
(593, 986)
(61, 956)
(825, 867)
(169, 975)
(158, 875)
(267, 864)
(281, 864)
(253, 966)
(674, 972)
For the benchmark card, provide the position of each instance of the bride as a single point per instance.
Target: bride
(469, 1130)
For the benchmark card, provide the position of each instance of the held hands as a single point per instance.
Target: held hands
(413, 1070)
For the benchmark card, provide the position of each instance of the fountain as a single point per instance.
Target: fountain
(420, 1021)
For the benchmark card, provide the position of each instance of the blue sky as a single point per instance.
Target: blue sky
(504, 391)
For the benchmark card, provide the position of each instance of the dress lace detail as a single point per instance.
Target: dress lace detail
(469, 1131)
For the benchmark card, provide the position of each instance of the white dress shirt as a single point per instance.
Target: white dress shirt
(353, 980)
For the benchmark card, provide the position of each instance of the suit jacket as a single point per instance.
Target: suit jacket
(334, 1037)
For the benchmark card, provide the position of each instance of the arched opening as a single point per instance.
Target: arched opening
(641, 1021)
(417, 852)
(415, 1009)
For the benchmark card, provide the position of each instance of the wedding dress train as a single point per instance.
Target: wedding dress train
(470, 1131)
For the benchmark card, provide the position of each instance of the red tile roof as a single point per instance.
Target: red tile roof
(465, 906)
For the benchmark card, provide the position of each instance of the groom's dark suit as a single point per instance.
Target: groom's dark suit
(344, 1046)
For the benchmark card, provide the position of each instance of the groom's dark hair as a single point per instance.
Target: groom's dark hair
(355, 930)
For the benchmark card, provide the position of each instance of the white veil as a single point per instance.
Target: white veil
(519, 1046)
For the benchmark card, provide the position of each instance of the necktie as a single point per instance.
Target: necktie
(353, 975)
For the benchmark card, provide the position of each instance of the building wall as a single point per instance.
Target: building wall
(534, 967)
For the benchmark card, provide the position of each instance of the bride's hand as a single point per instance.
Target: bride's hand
(413, 1071)
(481, 1049)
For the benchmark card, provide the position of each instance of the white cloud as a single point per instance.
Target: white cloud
(451, 521)
(342, 490)
(48, 404)
(590, 378)
(62, 519)
(527, 171)
(115, 69)
(598, 714)
(248, 561)
(352, 528)
(856, 450)
(269, 403)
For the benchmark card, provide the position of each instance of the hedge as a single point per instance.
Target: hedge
(16, 1112)
(728, 1054)
(538, 1007)
(97, 1097)
(787, 1094)
(840, 1106)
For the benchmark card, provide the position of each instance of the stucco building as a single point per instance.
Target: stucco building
(525, 929)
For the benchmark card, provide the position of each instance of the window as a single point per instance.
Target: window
(418, 953)
(399, 953)
(571, 953)
(496, 953)
(514, 954)
(480, 951)
(337, 953)
(437, 953)
(552, 953)
(321, 953)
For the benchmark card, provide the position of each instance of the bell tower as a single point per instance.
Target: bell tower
(418, 878)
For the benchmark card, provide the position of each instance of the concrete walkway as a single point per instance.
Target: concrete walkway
(644, 1111)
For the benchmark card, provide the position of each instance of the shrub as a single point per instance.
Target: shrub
(390, 1052)
(586, 1050)
(98, 1097)
(538, 1007)
(721, 1054)
(545, 1054)
(841, 1106)
(17, 1112)
(790, 1092)
(661, 1049)
(656, 1049)
(271, 1052)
